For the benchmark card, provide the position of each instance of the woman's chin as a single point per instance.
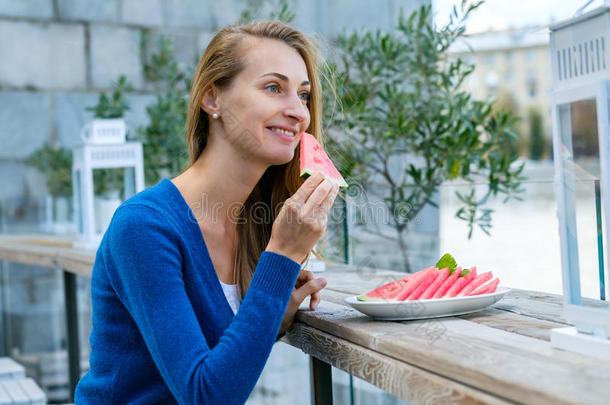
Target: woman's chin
(280, 158)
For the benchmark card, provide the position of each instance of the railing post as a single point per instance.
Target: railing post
(321, 382)
(4, 307)
(72, 330)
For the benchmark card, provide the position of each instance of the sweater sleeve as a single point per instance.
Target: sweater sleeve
(145, 270)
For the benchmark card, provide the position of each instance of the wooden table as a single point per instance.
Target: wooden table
(500, 355)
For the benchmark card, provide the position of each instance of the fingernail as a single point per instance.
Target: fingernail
(322, 282)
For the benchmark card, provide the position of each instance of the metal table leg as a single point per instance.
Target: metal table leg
(321, 382)
(72, 330)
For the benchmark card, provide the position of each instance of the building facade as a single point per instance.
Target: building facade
(514, 67)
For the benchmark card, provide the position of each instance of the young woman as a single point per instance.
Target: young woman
(231, 231)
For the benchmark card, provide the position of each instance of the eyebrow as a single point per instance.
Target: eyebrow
(284, 78)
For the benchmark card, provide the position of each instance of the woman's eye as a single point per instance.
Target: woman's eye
(274, 88)
(305, 96)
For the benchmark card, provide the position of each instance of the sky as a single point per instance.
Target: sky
(503, 14)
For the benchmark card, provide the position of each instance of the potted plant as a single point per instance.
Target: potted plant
(108, 126)
(55, 163)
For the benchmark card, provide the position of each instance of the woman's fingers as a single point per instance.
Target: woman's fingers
(311, 287)
(308, 187)
(304, 277)
(315, 301)
(317, 206)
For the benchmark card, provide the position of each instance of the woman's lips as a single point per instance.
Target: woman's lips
(281, 135)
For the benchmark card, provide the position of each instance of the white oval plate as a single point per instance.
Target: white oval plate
(421, 309)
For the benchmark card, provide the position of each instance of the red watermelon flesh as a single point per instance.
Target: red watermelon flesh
(314, 159)
(447, 283)
(414, 282)
(440, 279)
(387, 291)
(426, 281)
(487, 288)
(475, 283)
(461, 283)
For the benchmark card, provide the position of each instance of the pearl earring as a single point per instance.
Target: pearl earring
(215, 116)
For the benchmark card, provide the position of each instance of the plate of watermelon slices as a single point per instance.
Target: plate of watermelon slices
(442, 290)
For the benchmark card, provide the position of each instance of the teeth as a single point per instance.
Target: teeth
(283, 131)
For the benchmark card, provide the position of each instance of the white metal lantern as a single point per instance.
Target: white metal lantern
(581, 143)
(92, 156)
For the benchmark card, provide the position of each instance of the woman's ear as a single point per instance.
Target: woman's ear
(210, 101)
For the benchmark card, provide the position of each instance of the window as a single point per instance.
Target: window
(531, 90)
(489, 58)
(531, 83)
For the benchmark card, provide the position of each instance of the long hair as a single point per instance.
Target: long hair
(222, 60)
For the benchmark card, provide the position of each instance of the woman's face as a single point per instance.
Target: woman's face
(264, 110)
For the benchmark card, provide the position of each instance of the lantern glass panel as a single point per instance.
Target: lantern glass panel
(580, 154)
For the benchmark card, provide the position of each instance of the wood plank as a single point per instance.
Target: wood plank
(400, 379)
(77, 261)
(515, 323)
(36, 255)
(520, 368)
(540, 305)
(53, 254)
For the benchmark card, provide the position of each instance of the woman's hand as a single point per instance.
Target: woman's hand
(306, 285)
(302, 219)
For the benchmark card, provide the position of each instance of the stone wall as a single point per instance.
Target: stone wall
(57, 55)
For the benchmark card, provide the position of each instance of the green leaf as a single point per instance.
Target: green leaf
(446, 261)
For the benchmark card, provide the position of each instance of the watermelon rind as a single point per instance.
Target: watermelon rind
(365, 298)
(340, 182)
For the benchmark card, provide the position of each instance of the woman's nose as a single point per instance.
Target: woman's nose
(296, 109)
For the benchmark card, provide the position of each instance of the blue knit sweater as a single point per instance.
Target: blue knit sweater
(163, 331)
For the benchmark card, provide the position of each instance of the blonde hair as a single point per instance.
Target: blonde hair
(222, 60)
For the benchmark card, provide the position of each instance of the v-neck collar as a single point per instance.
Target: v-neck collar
(190, 223)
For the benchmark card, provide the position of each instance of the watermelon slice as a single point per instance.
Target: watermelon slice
(461, 283)
(388, 291)
(475, 283)
(414, 282)
(487, 288)
(440, 278)
(314, 159)
(445, 280)
(427, 280)
(447, 283)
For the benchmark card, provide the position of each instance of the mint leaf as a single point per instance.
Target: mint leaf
(446, 261)
(464, 273)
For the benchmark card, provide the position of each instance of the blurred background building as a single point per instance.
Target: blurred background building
(514, 67)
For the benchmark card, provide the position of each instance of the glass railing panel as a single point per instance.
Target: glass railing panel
(522, 247)
(285, 378)
(33, 331)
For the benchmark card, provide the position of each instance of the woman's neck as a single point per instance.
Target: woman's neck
(217, 185)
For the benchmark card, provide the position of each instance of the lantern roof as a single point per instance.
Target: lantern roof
(580, 18)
